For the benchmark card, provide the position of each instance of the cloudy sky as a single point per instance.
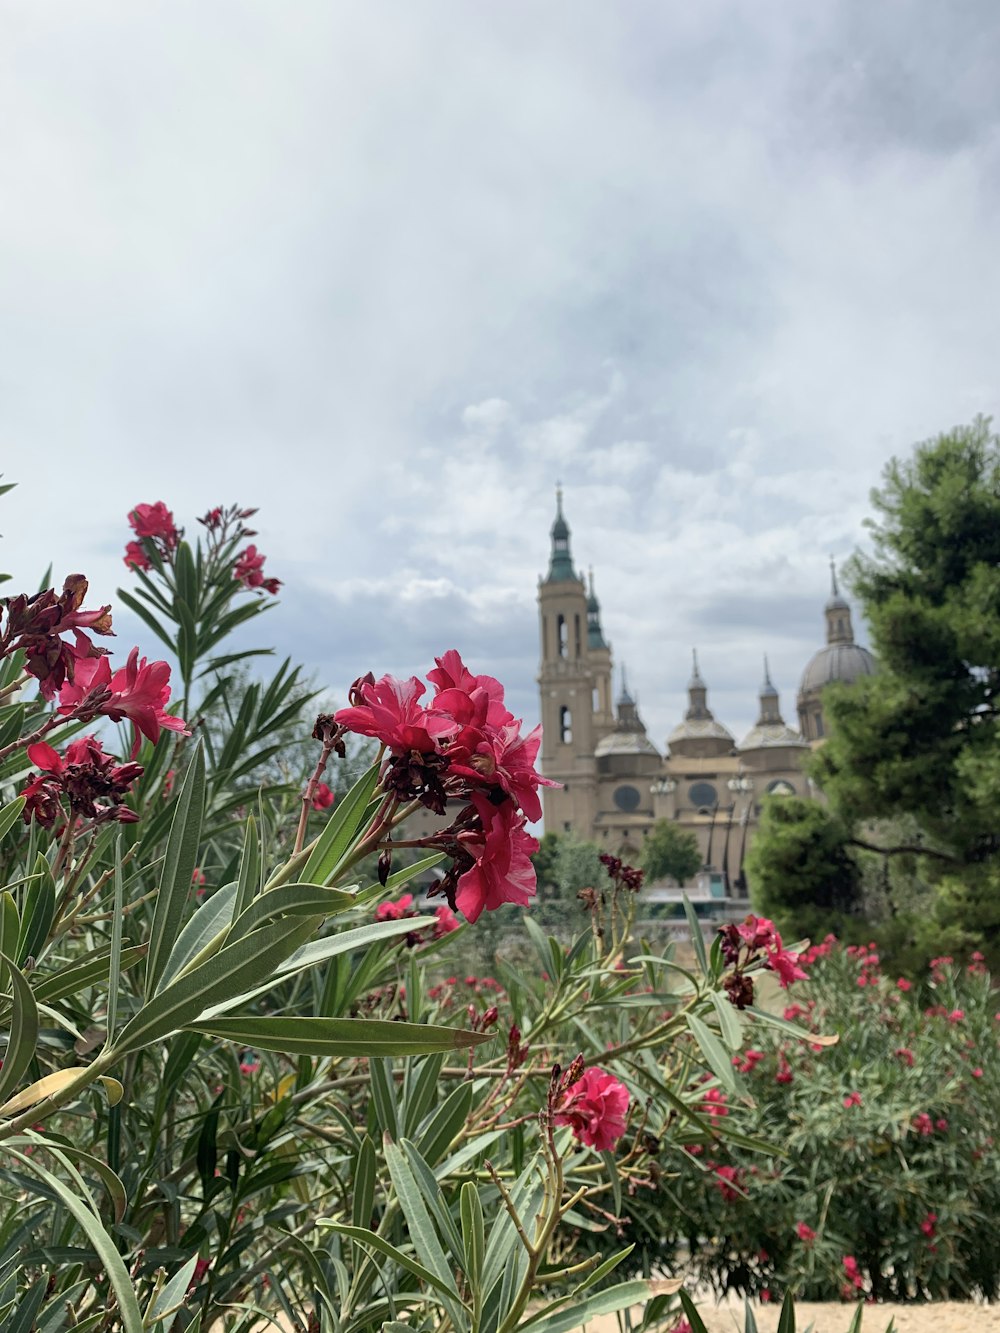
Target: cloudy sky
(391, 269)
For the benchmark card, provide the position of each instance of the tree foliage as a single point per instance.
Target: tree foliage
(670, 853)
(918, 741)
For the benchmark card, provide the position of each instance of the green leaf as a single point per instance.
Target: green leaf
(473, 1231)
(249, 869)
(172, 1294)
(791, 1029)
(110, 1180)
(340, 830)
(749, 1319)
(22, 1318)
(178, 869)
(90, 1224)
(715, 1054)
(729, 1023)
(525, 1196)
(422, 1232)
(114, 971)
(23, 1035)
(363, 1202)
(786, 1320)
(697, 939)
(383, 1092)
(376, 1242)
(604, 1302)
(78, 978)
(10, 814)
(611, 1166)
(418, 1098)
(10, 928)
(433, 1197)
(38, 911)
(691, 1313)
(293, 899)
(338, 1036)
(211, 918)
(229, 972)
(445, 1124)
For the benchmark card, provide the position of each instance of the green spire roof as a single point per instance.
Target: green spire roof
(560, 561)
(595, 635)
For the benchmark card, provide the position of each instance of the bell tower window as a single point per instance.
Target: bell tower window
(562, 635)
(565, 725)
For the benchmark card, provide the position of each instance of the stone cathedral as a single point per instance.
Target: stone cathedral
(615, 782)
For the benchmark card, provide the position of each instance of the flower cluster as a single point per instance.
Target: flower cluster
(403, 907)
(249, 569)
(154, 529)
(93, 784)
(594, 1106)
(35, 626)
(747, 943)
(464, 747)
(137, 692)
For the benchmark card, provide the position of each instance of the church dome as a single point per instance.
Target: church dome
(625, 742)
(699, 728)
(771, 736)
(837, 661)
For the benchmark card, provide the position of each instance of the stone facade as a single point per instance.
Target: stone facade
(615, 782)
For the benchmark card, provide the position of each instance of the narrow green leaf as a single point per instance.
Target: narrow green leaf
(10, 928)
(611, 1166)
(749, 1318)
(178, 869)
(418, 1098)
(78, 978)
(376, 1242)
(383, 1092)
(90, 1224)
(294, 899)
(172, 1294)
(786, 1320)
(146, 616)
(792, 1029)
(22, 1318)
(114, 971)
(445, 1124)
(246, 884)
(525, 1196)
(433, 1197)
(729, 1023)
(10, 814)
(23, 1036)
(211, 918)
(230, 971)
(715, 1054)
(604, 1302)
(363, 1202)
(109, 1179)
(338, 1036)
(37, 912)
(422, 1232)
(340, 830)
(691, 1313)
(473, 1231)
(697, 939)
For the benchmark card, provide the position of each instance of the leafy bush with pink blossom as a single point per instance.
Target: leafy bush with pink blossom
(887, 1176)
(246, 1071)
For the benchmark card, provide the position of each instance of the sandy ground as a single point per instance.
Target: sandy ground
(940, 1317)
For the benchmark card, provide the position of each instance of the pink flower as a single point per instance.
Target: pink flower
(93, 782)
(785, 963)
(395, 911)
(323, 797)
(977, 1072)
(903, 984)
(923, 1124)
(138, 691)
(956, 1016)
(249, 1063)
(941, 1124)
(905, 1054)
(805, 1233)
(198, 878)
(502, 871)
(730, 1182)
(154, 521)
(750, 1059)
(390, 712)
(595, 1108)
(447, 921)
(855, 1280)
(135, 556)
(249, 569)
(852, 1099)
(929, 1225)
(714, 1103)
(784, 1074)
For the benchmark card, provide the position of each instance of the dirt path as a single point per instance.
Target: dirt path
(939, 1317)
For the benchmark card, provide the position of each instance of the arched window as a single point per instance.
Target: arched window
(565, 725)
(578, 642)
(562, 635)
(819, 724)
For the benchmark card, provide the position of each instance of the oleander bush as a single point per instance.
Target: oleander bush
(888, 1182)
(248, 1079)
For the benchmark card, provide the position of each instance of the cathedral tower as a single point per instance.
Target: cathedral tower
(842, 659)
(567, 686)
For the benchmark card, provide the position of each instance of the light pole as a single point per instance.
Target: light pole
(740, 784)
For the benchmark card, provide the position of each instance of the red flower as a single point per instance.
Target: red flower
(93, 782)
(905, 1054)
(249, 569)
(852, 1271)
(595, 1108)
(956, 1016)
(805, 1233)
(730, 1182)
(198, 878)
(154, 521)
(750, 1059)
(923, 1124)
(714, 1103)
(852, 1099)
(502, 871)
(389, 711)
(903, 984)
(447, 921)
(395, 911)
(323, 797)
(929, 1225)
(784, 1074)
(977, 1072)
(135, 556)
(138, 691)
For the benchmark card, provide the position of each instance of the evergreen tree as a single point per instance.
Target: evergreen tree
(670, 853)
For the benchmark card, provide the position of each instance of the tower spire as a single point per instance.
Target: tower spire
(834, 590)
(560, 560)
(595, 633)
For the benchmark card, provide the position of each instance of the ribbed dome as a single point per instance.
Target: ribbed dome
(837, 661)
(771, 736)
(625, 742)
(698, 728)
